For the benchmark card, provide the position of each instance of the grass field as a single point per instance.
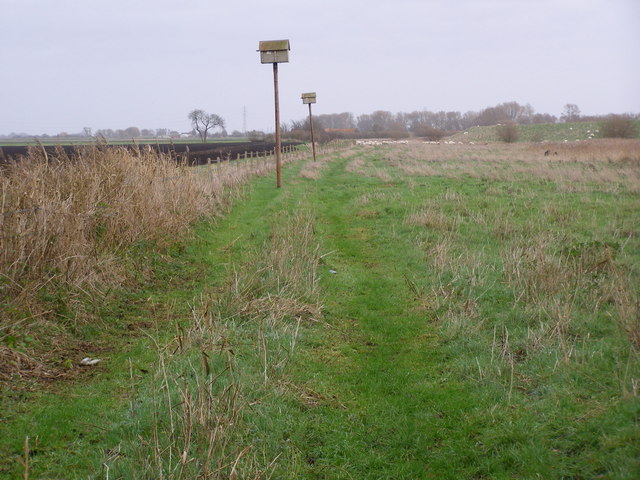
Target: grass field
(401, 311)
(546, 132)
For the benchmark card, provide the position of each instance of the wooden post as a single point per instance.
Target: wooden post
(277, 102)
(313, 142)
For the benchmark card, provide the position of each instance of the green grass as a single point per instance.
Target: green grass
(405, 361)
(547, 132)
(473, 328)
(73, 422)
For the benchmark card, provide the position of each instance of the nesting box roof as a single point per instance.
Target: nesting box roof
(274, 45)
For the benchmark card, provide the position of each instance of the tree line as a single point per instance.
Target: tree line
(434, 125)
(385, 121)
(422, 123)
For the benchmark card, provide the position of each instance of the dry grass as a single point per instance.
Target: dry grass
(66, 224)
(431, 217)
(313, 170)
(366, 198)
(283, 278)
(198, 408)
(559, 282)
(325, 154)
(553, 278)
(67, 214)
(361, 165)
(540, 267)
(608, 164)
(196, 412)
(460, 278)
(567, 285)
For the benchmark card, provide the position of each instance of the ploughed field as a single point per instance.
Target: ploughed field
(193, 153)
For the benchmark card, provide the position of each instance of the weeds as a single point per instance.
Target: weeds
(201, 394)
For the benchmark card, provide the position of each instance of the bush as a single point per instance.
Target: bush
(396, 134)
(430, 133)
(619, 126)
(256, 136)
(508, 132)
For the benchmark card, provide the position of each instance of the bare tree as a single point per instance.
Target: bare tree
(202, 122)
(570, 113)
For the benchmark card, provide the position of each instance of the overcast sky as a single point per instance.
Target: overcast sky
(69, 64)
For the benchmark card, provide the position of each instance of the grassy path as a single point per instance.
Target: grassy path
(393, 392)
(387, 408)
(369, 374)
(379, 358)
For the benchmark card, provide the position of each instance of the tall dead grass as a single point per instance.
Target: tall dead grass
(67, 222)
(282, 278)
(66, 215)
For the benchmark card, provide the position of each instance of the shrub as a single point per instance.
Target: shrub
(397, 134)
(508, 132)
(619, 126)
(256, 136)
(430, 133)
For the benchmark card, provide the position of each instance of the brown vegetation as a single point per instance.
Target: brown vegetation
(609, 164)
(508, 132)
(67, 223)
(618, 126)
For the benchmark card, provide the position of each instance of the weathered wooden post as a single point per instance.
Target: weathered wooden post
(275, 51)
(309, 98)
